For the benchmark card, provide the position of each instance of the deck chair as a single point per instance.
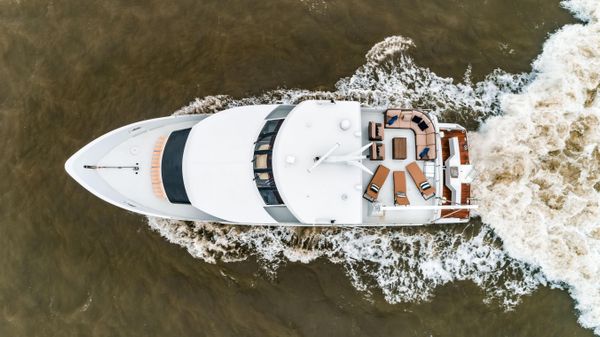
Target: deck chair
(415, 172)
(400, 197)
(376, 183)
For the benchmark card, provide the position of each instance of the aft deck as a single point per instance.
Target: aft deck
(465, 189)
(386, 192)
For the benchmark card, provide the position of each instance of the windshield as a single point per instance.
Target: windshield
(172, 174)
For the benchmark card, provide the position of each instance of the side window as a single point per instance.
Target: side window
(271, 197)
(271, 126)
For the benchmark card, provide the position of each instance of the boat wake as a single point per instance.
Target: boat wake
(403, 264)
(538, 185)
(539, 165)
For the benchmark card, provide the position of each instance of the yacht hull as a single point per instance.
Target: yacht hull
(122, 168)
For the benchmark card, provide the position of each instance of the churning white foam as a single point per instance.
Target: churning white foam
(538, 186)
(405, 265)
(539, 165)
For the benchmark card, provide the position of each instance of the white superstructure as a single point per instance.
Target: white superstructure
(217, 168)
(328, 191)
(315, 163)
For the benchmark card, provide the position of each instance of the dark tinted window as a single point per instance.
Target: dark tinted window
(263, 151)
(271, 197)
(272, 126)
(172, 175)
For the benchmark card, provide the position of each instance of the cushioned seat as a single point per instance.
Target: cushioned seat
(419, 123)
(375, 131)
(421, 139)
(376, 182)
(400, 197)
(377, 151)
(415, 172)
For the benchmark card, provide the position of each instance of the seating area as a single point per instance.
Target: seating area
(155, 172)
(413, 138)
(420, 124)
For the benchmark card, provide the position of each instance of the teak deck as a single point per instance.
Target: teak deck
(464, 159)
(462, 143)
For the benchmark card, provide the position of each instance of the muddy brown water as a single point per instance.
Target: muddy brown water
(70, 70)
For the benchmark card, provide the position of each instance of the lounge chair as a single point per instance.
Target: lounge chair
(376, 183)
(400, 197)
(427, 191)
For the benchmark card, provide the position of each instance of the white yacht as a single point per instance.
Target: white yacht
(317, 163)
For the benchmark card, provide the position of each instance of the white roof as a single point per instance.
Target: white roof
(332, 191)
(217, 165)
